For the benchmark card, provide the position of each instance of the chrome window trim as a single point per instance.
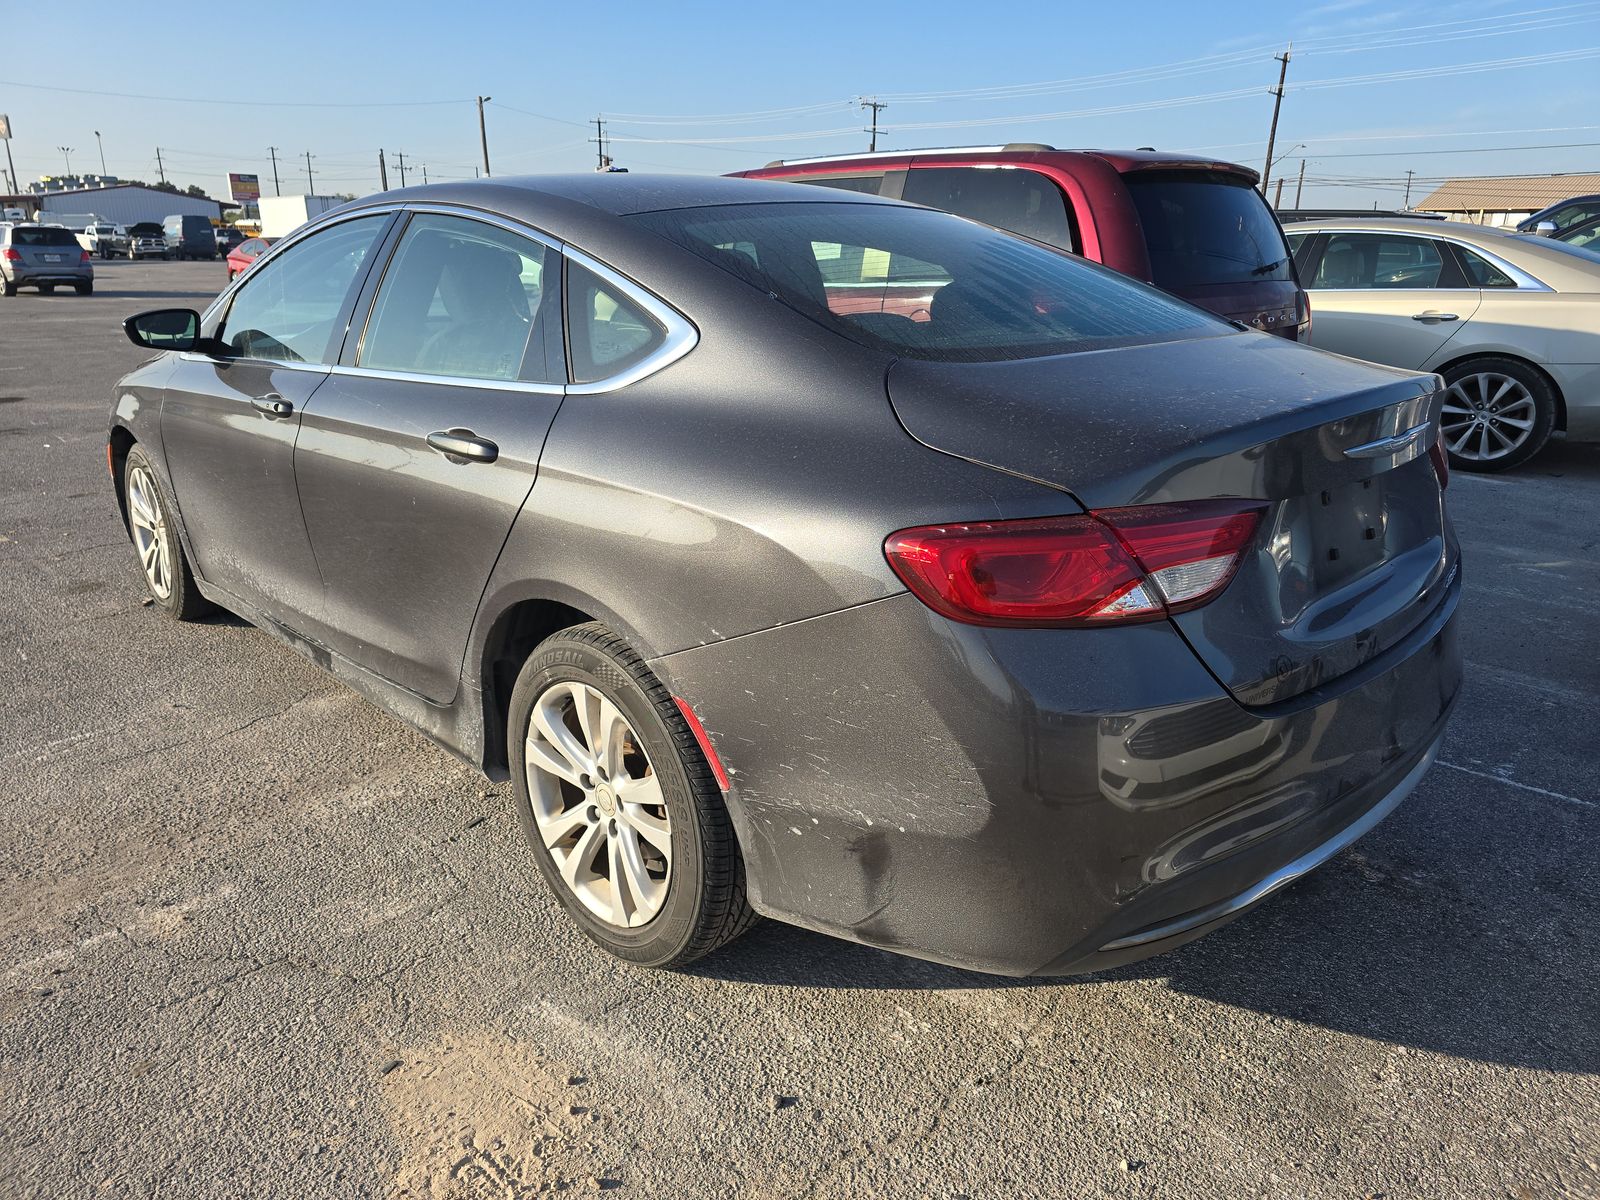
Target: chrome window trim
(681, 334)
(1525, 282)
(498, 385)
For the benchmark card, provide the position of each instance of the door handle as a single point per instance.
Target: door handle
(464, 444)
(273, 405)
(1433, 318)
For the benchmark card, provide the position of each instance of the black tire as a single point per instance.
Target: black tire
(183, 601)
(1539, 390)
(8, 287)
(705, 906)
(85, 289)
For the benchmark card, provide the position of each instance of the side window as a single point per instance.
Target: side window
(1021, 201)
(870, 183)
(1483, 273)
(1359, 261)
(607, 332)
(287, 310)
(461, 298)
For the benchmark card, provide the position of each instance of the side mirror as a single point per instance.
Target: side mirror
(1545, 228)
(164, 329)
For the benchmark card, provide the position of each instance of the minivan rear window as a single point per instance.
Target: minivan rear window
(42, 237)
(924, 284)
(1205, 228)
(1013, 198)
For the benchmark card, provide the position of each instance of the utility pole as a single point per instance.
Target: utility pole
(483, 133)
(66, 153)
(383, 173)
(1277, 104)
(1409, 174)
(1300, 183)
(160, 170)
(310, 186)
(276, 190)
(603, 159)
(102, 146)
(400, 156)
(876, 106)
(1277, 200)
(424, 174)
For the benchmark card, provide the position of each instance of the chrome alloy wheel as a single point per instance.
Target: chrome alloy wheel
(598, 805)
(1487, 416)
(150, 535)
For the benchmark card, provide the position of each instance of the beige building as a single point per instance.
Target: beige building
(1505, 199)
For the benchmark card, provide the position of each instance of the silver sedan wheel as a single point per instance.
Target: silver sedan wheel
(1487, 416)
(598, 805)
(150, 535)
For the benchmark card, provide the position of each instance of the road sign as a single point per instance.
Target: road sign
(244, 189)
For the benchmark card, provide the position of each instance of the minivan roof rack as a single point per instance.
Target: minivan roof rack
(1013, 147)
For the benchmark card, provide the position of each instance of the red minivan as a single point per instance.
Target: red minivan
(1195, 227)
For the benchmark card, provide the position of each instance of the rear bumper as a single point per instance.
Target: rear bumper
(1580, 390)
(27, 276)
(1043, 801)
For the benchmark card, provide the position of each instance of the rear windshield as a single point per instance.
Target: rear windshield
(42, 237)
(1205, 228)
(924, 284)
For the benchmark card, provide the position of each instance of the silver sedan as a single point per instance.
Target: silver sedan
(1511, 321)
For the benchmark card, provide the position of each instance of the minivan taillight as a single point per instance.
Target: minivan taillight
(1113, 566)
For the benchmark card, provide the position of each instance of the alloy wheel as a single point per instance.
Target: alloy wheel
(598, 804)
(150, 536)
(1487, 416)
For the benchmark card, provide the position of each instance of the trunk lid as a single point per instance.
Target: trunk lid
(1353, 549)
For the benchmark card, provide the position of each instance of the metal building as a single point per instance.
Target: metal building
(126, 204)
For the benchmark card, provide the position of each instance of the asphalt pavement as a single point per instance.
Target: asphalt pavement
(259, 939)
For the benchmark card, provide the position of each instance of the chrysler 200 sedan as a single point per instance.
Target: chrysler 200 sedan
(1042, 630)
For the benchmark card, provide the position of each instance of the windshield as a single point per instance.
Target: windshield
(928, 285)
(1587, 234)
(1205, 228)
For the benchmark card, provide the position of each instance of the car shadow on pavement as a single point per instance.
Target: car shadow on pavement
(1350, 949)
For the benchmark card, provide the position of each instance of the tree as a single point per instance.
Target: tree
(196, 190)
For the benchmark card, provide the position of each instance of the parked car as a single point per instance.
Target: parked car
(1511, 321)
(189, 237)
(1043, 634)
(1194, 226)
(147, 239)
(103, 239)
(227, 238)
(1561, 216)
(245, 253)
(43, 257)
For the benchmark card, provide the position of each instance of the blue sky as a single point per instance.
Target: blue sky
(1375, 87)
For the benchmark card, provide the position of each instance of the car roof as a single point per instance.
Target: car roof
(622, 193)
(1420, 225)
(1031, 152)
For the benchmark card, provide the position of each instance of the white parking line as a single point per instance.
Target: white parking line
(1527, 787)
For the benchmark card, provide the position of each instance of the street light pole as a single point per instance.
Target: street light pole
(102, 146)
(483, 133)
(66, 153)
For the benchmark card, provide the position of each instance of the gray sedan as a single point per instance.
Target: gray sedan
(812, 555)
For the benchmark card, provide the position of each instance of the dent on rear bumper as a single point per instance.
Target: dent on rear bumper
(1015, 800)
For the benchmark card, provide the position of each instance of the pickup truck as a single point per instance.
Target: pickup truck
(104, 239)
(147, 240)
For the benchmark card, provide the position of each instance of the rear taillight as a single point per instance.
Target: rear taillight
(11, 255)
(1113, 566)
(83, 258)
(1441, 460)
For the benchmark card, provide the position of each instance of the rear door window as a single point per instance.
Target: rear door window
(1205, 228)
(461, 298)
(1363, 261)
(1483, 273)
(1014, 199)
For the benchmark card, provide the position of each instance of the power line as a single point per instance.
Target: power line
(215, 100)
